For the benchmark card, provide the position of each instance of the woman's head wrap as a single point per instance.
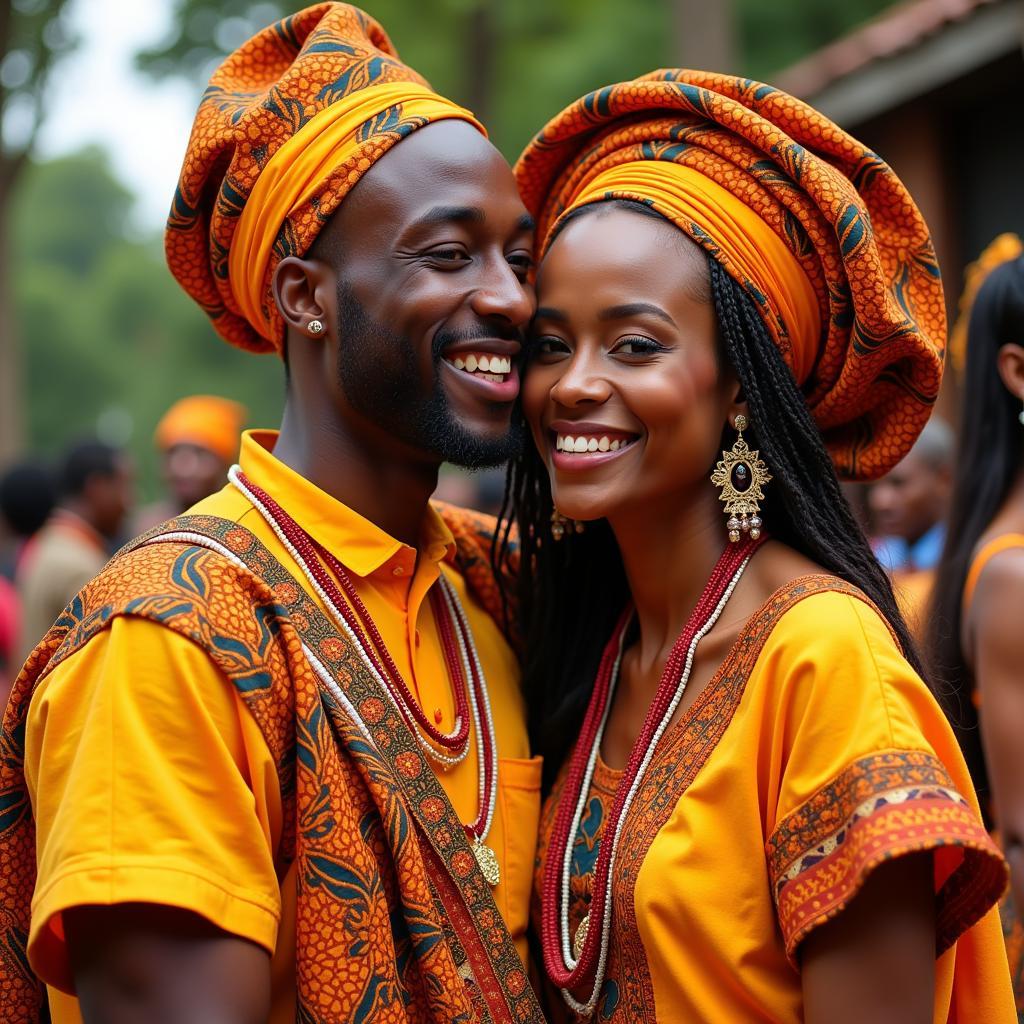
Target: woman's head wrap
(818, 230)
(288, 124)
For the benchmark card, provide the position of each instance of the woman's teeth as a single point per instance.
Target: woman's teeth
(580, 445)
(488, 367)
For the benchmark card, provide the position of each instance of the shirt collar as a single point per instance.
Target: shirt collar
(360, 545)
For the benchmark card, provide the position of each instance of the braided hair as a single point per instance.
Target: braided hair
(570, 594)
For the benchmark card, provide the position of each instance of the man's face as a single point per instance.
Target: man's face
(110, 497)
(192, 472)
(432, 250)
(910, 499)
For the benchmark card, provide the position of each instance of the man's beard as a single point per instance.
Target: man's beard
(389, 392)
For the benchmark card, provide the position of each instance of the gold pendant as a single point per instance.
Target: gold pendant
(488, 862)
(581, 937)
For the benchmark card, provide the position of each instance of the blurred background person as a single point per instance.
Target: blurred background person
(95, 484)
(976, 633)
(198, 440)
(27, 496)
(908, 509)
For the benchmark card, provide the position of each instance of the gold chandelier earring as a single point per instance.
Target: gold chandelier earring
(740, 476)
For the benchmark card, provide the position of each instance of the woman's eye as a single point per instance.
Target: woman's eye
(638, 346)
(547, 345)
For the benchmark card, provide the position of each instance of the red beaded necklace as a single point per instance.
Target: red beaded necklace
(590, 952)
(457, 645)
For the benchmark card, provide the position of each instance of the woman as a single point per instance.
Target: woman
(975, 623)
(777, 824)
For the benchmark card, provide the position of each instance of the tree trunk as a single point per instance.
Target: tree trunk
(12, 425)
(705, 35)
(480, 58)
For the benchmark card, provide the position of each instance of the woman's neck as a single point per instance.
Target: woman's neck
(668, 554)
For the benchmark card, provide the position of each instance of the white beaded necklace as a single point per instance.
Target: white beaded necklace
(586, 1009)
(467, 651)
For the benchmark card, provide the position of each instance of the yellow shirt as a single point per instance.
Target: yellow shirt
(804, 764)
(151, 782)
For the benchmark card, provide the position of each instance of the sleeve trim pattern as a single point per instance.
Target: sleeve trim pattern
(886, 805)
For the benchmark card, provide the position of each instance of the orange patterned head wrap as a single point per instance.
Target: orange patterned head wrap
(205, 421)
(288, 124)
(818, 230)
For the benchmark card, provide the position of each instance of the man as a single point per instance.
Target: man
(277, 758)
(908, 507)
(95, 482)
(198, 440)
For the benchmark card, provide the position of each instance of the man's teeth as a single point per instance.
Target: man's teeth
(568, 443)
(483, 365)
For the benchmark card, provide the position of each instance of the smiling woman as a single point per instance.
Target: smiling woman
(765, 815)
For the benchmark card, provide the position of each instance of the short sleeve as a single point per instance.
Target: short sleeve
(867, 769)
(150, 782)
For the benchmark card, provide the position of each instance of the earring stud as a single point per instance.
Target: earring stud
(315, 327)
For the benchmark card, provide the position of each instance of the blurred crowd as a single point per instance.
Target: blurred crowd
(62, 519)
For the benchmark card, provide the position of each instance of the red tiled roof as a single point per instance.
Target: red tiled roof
(900, 28)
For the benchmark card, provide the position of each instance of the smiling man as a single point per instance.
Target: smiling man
(271, 764)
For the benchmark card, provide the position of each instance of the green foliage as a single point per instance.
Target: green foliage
(106, 329)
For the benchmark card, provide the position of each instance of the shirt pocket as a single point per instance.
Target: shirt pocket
(519, 792)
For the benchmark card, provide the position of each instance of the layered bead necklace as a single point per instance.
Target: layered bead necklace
(581, 961)
(472, 703)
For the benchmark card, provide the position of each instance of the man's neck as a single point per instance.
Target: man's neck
(391, 492)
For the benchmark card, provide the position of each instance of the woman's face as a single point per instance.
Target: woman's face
(624, 394)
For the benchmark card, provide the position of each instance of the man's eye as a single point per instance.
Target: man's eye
(520, 262)
(451, 255)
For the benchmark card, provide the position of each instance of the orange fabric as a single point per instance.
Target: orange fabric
(199, 820)
(913, 592)
(814, 755)
(749, 244)
(983, 557)
(294, 176)
(274, 88)
(839, 209)
(205, 421)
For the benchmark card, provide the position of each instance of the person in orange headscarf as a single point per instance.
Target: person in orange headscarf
(758, 809)
(198, 441)
(272, 763)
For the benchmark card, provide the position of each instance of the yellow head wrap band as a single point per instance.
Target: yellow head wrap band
(744, 240)
(298, 168)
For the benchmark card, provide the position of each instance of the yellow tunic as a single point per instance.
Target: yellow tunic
(813, 755)
(150, 781)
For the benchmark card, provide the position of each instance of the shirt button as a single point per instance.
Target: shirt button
(398, 571)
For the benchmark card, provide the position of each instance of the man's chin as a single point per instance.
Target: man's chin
(482, 449)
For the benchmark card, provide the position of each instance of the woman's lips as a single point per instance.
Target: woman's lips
(583, 445)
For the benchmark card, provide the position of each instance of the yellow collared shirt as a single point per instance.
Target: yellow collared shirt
(151, 782)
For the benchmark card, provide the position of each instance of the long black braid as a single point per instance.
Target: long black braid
(570, 593)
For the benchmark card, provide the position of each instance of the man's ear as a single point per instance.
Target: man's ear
(305, 292)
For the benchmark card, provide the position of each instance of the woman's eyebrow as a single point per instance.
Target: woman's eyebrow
(549, 313)
(629, 309)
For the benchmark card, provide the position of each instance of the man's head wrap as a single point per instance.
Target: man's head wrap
(817, 229)
(288, 124)
(205, 421)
